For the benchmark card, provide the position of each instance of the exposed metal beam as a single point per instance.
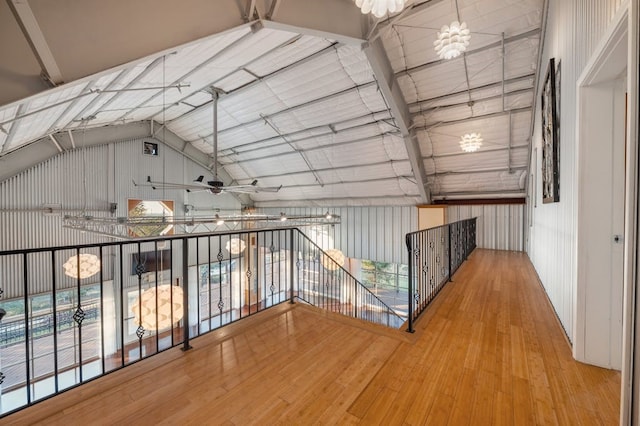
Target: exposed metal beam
(468, 53)
(331, 169)
(473, 172)
(85, 89)
(323, 51)
(298, 106)
(477, 117)
(473, 89)
(56, 143)
(404, 199)
(250, 10)
(248, 145)
(385, 25)
(301, 151)
(476, 101)
(348, 182)
(196, 69)
(273, 10)
(392, 94)
(32, 32)
(456, 154)
(13, 129)
(95, 100)
(479, 193)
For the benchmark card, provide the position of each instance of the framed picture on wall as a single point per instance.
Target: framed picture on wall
(550, 142)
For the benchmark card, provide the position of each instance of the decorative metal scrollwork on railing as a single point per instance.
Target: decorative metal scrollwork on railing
(456, 241)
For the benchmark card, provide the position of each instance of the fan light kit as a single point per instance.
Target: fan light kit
(471, 142)
(379, 8)
(452, 40)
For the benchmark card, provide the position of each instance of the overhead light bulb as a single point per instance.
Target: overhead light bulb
(471, 142)
(219, 220)
(379, 8)
(452, 40)
(328, 215)
(283, 217)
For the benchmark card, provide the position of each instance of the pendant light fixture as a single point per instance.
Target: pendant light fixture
(379, 8)
(333, 259)
(89, 266)
(452, 40)
(158, 308)
(471, 142)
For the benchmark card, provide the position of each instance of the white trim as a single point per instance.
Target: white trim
(606, 64)
(629, 405)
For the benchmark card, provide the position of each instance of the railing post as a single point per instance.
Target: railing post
(450, 252)
(410, 292)
(291, 263)
(185, 292)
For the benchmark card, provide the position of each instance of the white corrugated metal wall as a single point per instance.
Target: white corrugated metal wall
(87, 180)
(499, 227)
(574, 28)
(374, 233)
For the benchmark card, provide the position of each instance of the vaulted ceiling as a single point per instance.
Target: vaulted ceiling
(338, 107)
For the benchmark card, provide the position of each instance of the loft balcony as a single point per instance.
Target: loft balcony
(488, 350)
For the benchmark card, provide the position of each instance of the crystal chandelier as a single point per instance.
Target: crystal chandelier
(379, 8)
(471, 142)
(89, 266)
(452, 40)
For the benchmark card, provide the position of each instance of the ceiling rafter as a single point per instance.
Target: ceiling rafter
(186, 75)
(330, 169)
(476, 101)
(14, 128)
(343, 92)
(474, 89)
(456, 154)
(247, 86)
(299, 150)
(475, 118)
(497, 44)
(330, 131)
(476, 172)
(388, 85)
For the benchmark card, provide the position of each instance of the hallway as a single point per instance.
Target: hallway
(488, 351)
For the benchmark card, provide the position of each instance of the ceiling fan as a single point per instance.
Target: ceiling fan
(215, 186)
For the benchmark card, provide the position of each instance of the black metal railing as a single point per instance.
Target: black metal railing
(435, 254)
(64, 327)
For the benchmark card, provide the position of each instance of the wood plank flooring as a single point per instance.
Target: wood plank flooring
(488, 351)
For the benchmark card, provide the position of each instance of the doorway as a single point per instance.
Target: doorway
(601, 130)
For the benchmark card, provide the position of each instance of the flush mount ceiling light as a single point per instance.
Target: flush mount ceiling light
(159, 308)
(471, 142)
(332, 259)
(379, 8)
(452, 40)
(89, 266)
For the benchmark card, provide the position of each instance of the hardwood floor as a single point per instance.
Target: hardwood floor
(488, 351)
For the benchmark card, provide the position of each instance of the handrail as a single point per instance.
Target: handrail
(392, 317)
(152, 294)
(435, 254)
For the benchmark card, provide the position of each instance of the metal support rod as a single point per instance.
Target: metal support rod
(55, 142)
(410, 292)
(503, 70)
(215, 95)
(185, 291)
(291, 264)
(509, 142)
(450, 252)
